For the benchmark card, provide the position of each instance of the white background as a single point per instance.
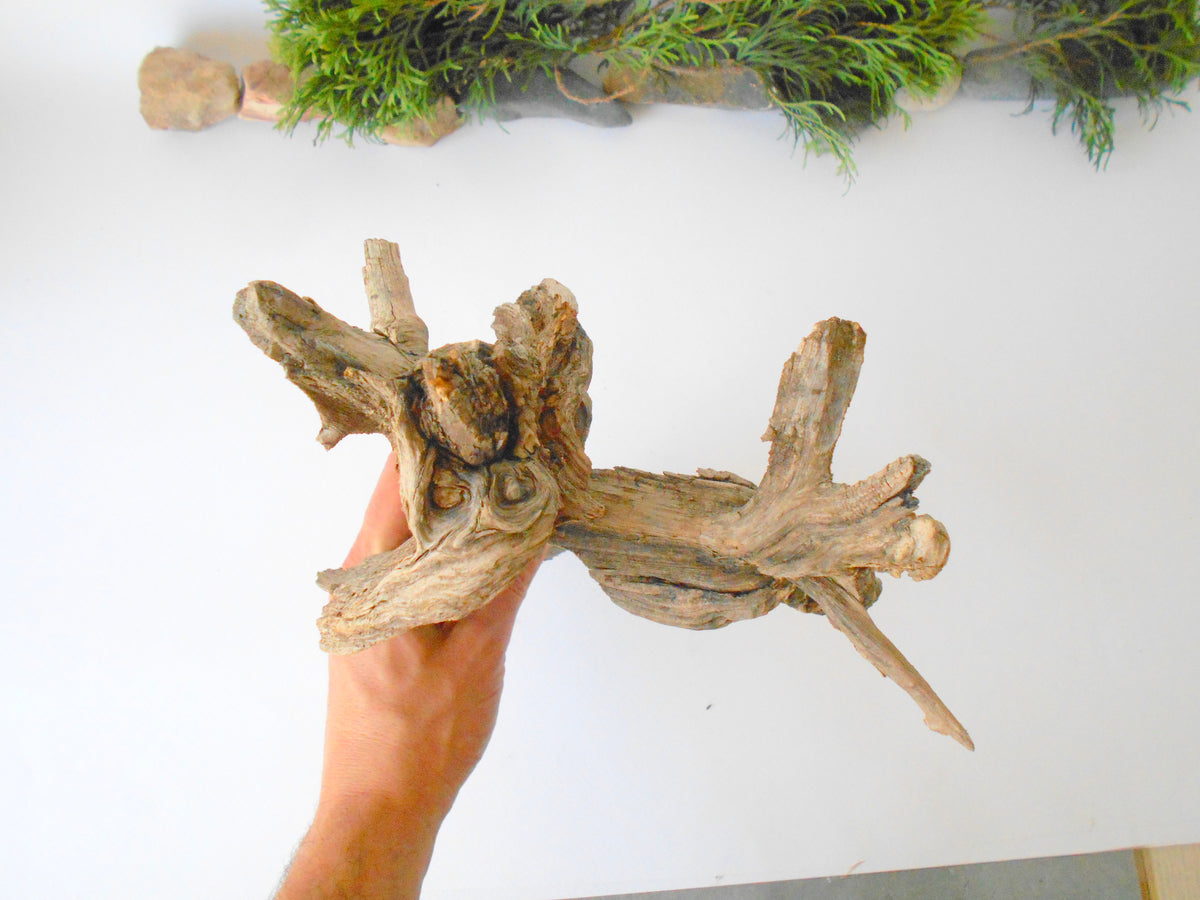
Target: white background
(1032, 329)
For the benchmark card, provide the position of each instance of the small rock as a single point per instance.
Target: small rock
(570, 96)
(985, 79)
(722, 87)
(914, 103)
(267, 87)
(425, 132)
(185, 91)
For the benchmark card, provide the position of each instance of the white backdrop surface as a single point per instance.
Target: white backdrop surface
(1032, 330)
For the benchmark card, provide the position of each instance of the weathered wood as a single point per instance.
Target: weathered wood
(389, 296)
(489, 441)
(479, 543)
(839, 599)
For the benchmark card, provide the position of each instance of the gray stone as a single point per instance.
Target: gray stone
(720, 87)
(185, 91)
(990, 79)
(570, 96)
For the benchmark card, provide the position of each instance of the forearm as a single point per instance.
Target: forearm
(383, 794)
(365, 848)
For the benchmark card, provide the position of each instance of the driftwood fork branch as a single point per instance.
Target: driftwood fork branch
(489, 441)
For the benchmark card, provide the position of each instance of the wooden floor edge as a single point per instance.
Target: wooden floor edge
(1169, 873)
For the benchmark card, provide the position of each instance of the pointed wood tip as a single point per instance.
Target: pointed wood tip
(952, 728)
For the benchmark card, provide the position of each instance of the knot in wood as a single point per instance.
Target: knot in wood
(512, 485)
(519, 492)
(447, 490)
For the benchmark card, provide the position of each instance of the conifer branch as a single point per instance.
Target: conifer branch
(1083, 53)
(831, 67)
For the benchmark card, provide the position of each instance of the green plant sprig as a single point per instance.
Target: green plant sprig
(1084, 54)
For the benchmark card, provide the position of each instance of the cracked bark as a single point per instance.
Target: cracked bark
(489, 441)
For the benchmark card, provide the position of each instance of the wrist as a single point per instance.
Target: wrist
(393, 770)
(406, 749)
(386, 820)
(366, 847)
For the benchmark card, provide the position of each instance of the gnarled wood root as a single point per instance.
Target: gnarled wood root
(489, 440)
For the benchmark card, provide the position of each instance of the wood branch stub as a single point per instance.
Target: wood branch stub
(460, 404)
(799, 523)
(546, 359)
(489, 442)
(814, 393)
(341, 368)
(390, 299)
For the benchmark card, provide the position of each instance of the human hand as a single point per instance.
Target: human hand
(407, 721)
(433, 691)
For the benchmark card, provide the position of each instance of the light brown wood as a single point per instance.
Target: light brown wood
(489, 441)
(1169, 873)
(390, 299)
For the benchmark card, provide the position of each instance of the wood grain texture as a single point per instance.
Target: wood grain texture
(489, 441)
(1169, 873)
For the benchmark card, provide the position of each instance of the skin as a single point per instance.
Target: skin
(407, 721)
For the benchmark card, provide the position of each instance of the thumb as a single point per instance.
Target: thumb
(384, 525)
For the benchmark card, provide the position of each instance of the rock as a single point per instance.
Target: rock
(267, 87)
(185, 91)
(425, 133)
(988, 79)
(722, 87)
(914, 103)
(570, 96)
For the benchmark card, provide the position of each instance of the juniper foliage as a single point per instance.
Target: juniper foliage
(831, 66)
(1083, 53)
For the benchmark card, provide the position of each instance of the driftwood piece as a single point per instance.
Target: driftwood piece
(489, 441)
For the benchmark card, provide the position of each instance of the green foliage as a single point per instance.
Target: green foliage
(831, 66)
(1083, 54)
